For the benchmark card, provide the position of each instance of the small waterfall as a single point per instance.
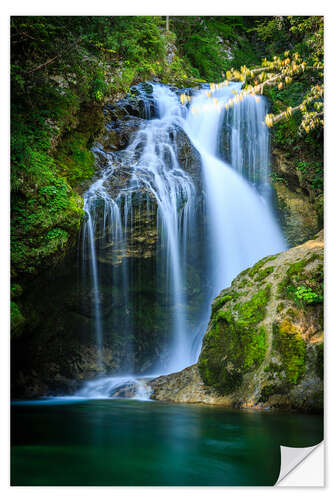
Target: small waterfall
(222, 225)
(89, 244)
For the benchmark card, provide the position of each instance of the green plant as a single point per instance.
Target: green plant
(304, 295)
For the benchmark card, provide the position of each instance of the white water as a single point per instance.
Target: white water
(241, 228)
(111, 387)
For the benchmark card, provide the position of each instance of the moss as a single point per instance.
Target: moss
(244, 283)
(292, 349)
(43, 230)
(292, 313)
(218, 303)
(297, 267)
(17, 319)
(230, 351)
(254, 310)
(234, 345)
(263, 273)
(280, 307)
(74, 159)
(297, 277)
(15, 291)
(254, 270)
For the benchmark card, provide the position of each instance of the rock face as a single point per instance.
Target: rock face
(264, 343)
(299, 218)
(298, 204)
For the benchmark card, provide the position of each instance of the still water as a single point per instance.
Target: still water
(146, 443)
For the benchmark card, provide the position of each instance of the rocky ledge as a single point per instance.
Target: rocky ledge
(264, 344)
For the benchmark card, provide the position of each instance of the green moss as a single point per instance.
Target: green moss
(15, 291)
(253, 311)
(223, 300)
(254, 270)
(17, 319)
(42, 230)
(244, 283)
(263, 273)
(292, 349)
(280, 307)
(296, 268)
(301, 285)
(230, 351)
(74, 159)
(234, 345)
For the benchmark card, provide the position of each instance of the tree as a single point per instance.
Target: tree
(305, 34)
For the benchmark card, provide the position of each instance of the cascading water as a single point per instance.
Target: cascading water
(240, 228)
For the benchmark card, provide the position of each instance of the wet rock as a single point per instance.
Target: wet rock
(118, 135)
(299, 204)
(188, 156)
(299, 218)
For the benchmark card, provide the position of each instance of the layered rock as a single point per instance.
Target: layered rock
(264, 343)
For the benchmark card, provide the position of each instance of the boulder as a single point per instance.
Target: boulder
(264, 344)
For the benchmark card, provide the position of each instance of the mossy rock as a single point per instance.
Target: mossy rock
(291, 348)
(264, 342)
(234, 345)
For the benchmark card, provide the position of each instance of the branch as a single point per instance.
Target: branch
(50, 61)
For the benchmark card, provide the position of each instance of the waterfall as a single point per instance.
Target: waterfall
(221, 224)
(241, 226)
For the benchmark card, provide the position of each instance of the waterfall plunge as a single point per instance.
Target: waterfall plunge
(240, 225)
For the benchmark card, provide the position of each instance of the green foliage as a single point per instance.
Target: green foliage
(15, 290)
(302, 34)
(304, 295)
(17, 320)
(74, 160)
(212, 44)
(301, 285)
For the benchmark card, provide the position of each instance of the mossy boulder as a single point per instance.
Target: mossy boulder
(264, 344)
(234, 345)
